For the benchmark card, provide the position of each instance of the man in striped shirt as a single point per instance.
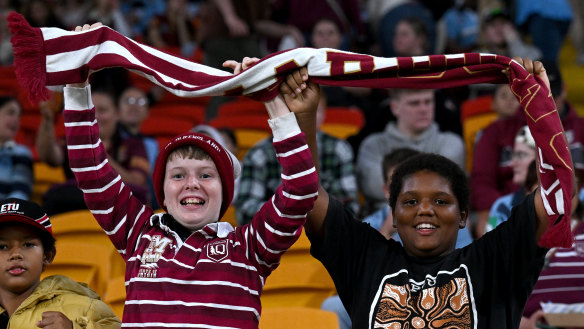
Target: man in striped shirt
(184, 269)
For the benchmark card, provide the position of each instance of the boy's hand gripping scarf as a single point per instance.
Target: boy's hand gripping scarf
(51, 57)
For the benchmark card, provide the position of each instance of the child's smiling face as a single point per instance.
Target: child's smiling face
(192, 191)
(428, 215)
(22, 258)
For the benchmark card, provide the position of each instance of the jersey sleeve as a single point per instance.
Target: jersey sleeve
(278, 223)
(110, 201)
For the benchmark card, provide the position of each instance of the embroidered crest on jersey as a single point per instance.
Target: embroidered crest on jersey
(217, 250)
(151, 255)
(428, 304)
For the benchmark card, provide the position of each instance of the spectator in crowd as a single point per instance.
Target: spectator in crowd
(261, 172)
(230, 139)
(139, 13)
(547, 22)
(26, 247)
(226, 142)
(461, 22)
(561, 280)
(414, 128)
(427, 281)
(6, 55)
(40, 13)
(173, 30)
(193, 177)
(410, 37)
(345, 13)
(16, 174)
(500, 36)
(72, 12)
(382, 220)
(134, 108)
(577, 30)
(327, 34)
(504, 102)
(127, 155)
(385, 15)
(491, 175)
(524, 175)
(109, 13)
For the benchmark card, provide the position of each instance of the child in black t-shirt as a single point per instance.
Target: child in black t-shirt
(427, 283)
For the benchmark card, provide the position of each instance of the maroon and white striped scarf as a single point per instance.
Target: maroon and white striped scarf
(51, 57)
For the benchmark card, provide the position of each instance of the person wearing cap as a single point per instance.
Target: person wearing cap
(185, 267)
(26, 247)
(16, 169)
(524, 175)
(491, 175)
(498, 35)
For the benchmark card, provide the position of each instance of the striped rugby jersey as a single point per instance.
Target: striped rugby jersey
(215, 277)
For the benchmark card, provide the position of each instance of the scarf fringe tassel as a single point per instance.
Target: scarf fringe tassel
(29, 57)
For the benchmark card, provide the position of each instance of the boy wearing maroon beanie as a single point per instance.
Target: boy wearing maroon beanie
(184, 267)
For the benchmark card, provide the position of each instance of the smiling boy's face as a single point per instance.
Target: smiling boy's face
(192, 191)
(22, 258)
(428, 215)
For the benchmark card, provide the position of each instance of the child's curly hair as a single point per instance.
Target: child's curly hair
(437, 164)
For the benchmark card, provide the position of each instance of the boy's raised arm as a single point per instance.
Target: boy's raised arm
(302, 97)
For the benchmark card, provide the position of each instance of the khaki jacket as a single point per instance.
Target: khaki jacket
(59, 293)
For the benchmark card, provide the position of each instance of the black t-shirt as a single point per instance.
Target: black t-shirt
(484, 285)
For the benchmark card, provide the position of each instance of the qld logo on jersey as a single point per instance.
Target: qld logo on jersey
(218, 250)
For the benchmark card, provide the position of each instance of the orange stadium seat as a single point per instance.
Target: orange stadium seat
(470, 127)
(304, 283)
(115, 295)
(479, 105)
(297, 318)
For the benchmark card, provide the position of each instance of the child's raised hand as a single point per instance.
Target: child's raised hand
(54, 320)
(300, 94)
(238, 67)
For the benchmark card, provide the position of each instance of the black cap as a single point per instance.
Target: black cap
(23, 211)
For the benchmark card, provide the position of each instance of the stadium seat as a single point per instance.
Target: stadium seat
(470, 127)
(182, 111)
(475, 106)
(297, 318)
(246, 138)
(44, 177)
(241, 106)
(303, 283)
(159, 126)
(115, 295)
(89, 263)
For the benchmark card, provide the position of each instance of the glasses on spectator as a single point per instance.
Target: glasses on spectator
(520, 155)
(140, 101)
